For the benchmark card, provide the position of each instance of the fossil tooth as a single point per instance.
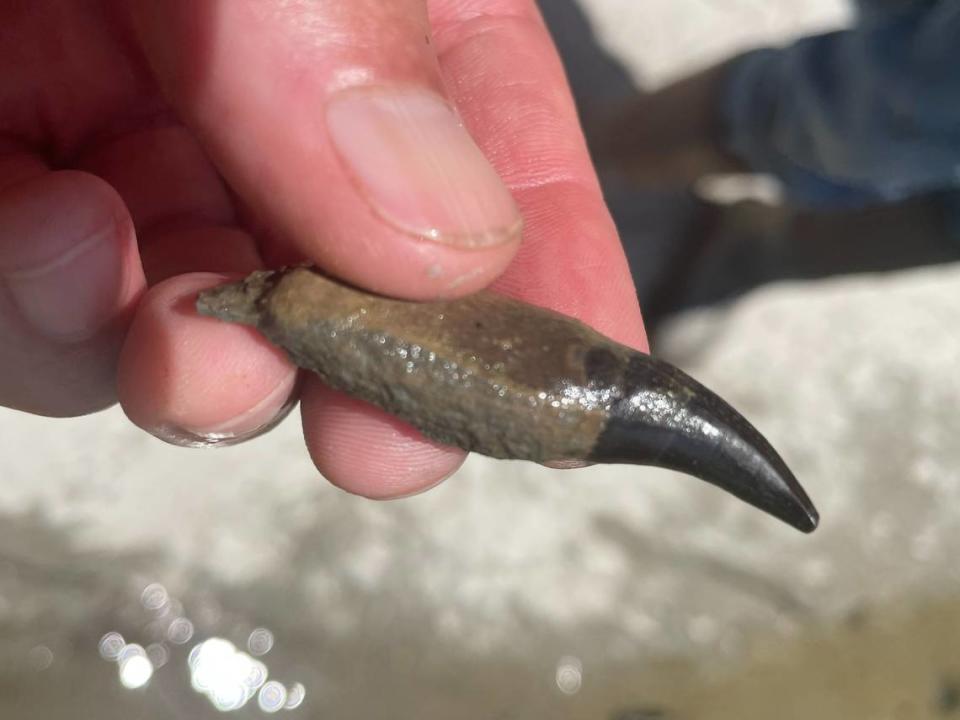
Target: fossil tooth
(509, 380)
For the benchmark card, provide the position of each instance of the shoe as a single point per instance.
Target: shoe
(669, 138)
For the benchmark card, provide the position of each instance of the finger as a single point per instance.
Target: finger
(509, 85)
(182, 211)
(198, 249)
(329, 119)
(510, 88)
(191, 380)
(367, 452)
(163, 176)
(70, 278)
(179, 378)
(17, 166)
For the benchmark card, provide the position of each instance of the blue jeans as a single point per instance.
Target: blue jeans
(855, 117)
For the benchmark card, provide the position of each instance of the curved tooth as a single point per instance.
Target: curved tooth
(665, 418)
(645, 411)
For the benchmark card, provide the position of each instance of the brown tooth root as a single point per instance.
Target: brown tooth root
(505, 379)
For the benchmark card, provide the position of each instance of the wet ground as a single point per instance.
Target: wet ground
(515, 591)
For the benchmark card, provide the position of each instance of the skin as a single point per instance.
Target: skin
(144, 123)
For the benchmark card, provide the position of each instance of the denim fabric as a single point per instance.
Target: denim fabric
(865, 115)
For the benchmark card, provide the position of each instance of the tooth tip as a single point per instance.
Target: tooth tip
(805, 520)
(733, 456)
(805, 517)
(786, 499)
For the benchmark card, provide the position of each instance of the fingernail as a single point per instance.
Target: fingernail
(70, 297)
(418, 167)
(258, 420)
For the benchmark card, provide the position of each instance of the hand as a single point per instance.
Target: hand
(144, 146)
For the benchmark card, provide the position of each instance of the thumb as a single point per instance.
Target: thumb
(331, 121)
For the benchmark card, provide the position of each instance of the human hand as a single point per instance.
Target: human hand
(144, 146)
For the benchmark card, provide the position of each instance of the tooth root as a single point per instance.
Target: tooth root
(667, 419)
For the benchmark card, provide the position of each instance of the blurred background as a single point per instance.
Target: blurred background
(143, 581)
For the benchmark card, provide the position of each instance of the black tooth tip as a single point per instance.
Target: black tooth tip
(667, 419)
(773, 489)
(806, 518)
(810, 524)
